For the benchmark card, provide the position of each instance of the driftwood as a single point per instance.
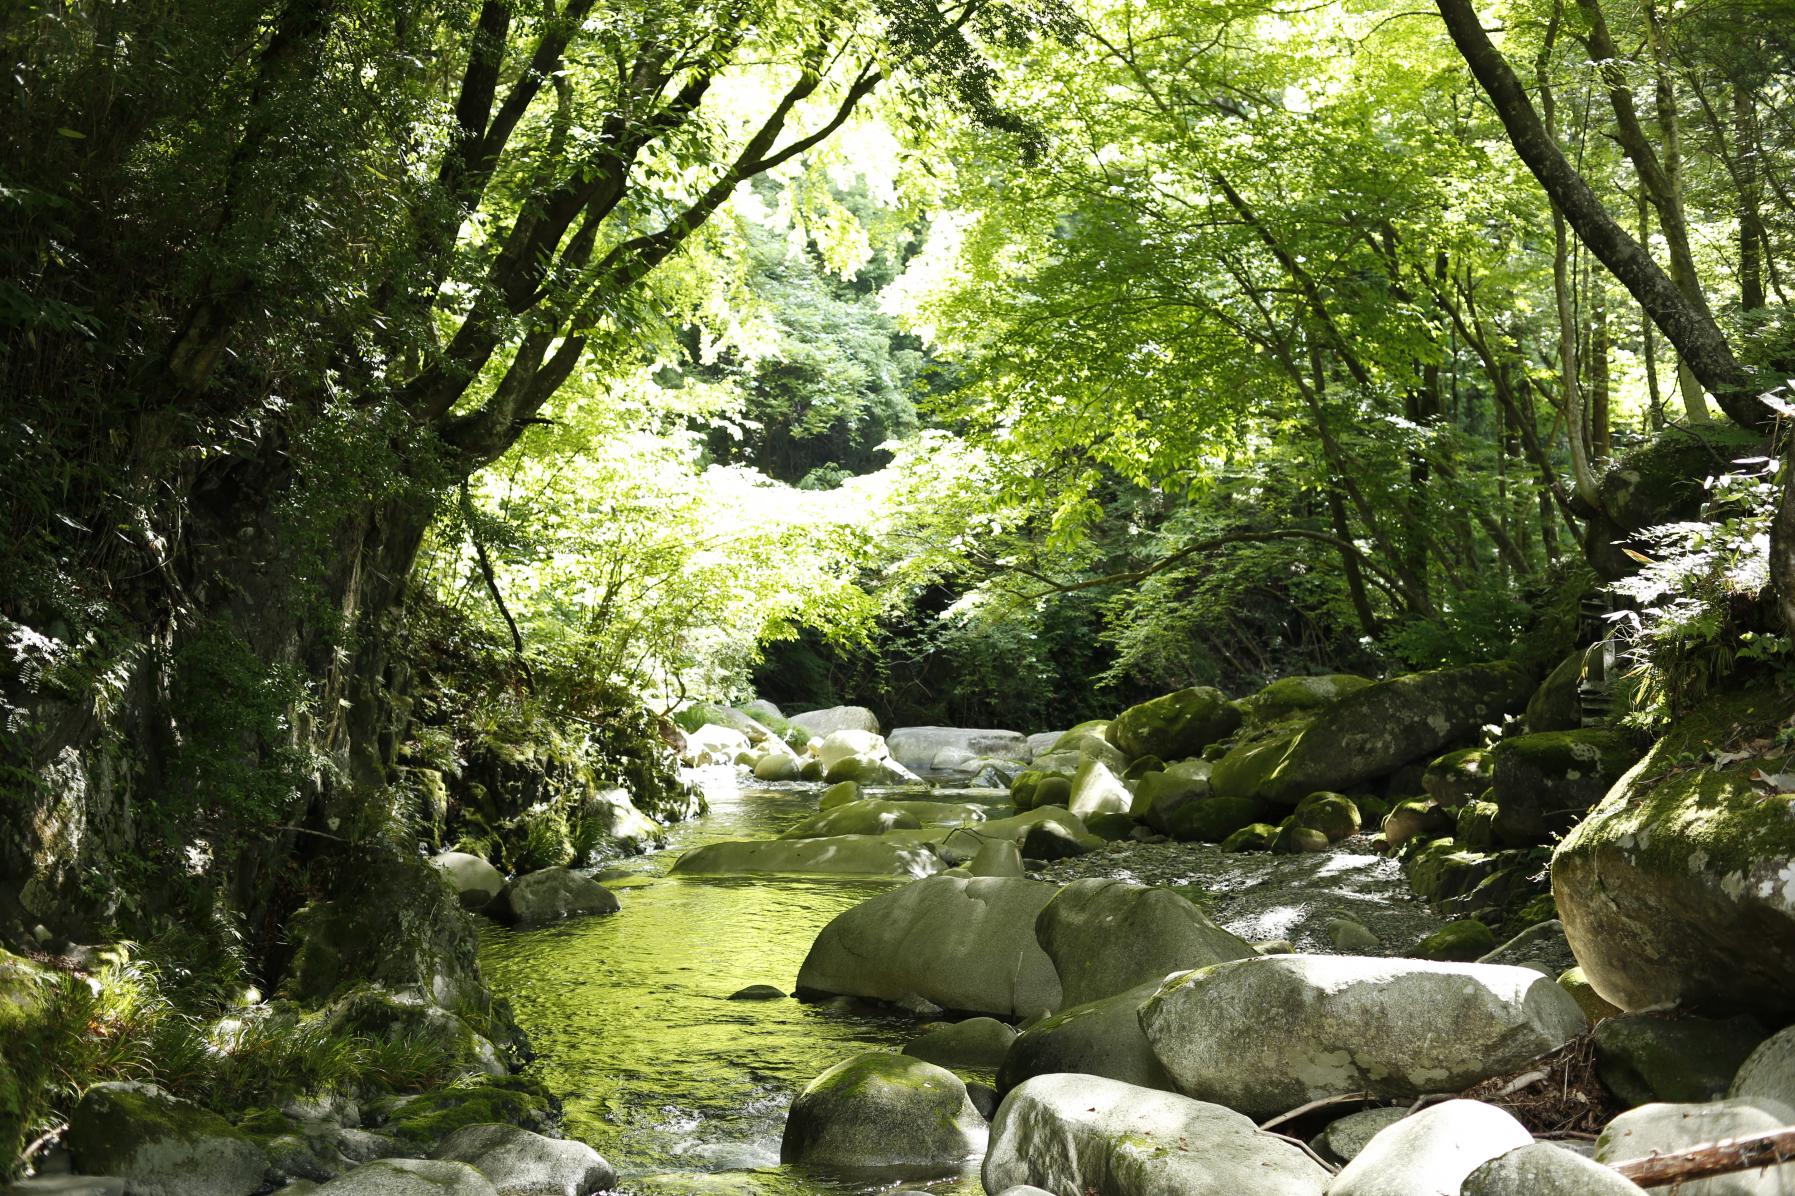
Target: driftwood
(1711, 1158)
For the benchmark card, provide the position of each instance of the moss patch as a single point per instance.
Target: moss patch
(514, 1100)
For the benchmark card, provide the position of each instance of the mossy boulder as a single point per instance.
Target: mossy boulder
(1293, 695)
(374, 1012)
(868, 816)
(884, 1112)
(1659, 480)
(1293, 838)
(1456, 942)
(978, 1043)
(1476, 825)
(1595, 1007)
(1143, 766)
(1105, 936)
(1111, 827)
(520, 1162)
(1096, 1038)
(404, 1177)
(1372, 731)
(1542, 784)
(162, 1145)
(1678, 889)
(1642, 1058)
(431, 1116)
(1212, 819)
(839, 794)
(1442, 870)
(1175, 725)
(1097, 790)
(1258, 836)
(1333, 814)
(551, 894)
(1457, 777)
(1556, 705)
(1417, 818)
(1159, 795)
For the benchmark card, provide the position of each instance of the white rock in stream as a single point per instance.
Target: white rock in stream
(522, 1163)
(921, 749)
(1431, 1151)
(1073, 1134)
(1663, 1128)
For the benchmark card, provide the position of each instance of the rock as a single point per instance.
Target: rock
(1768, 1073)
(1297, 695)
(1040, 743)
(1556, 704)
(370, 1011)
(822, 723)
(868, 816)
(1074, 1134)
(762, 710)
(1372, 731)
(701, 714)
(869, 770)
(998, 857)
(1676, 890)
(555, 893)
(758, 992)
(1347, 1024)
(1159, 795)
(1175, 725)
(1212, 818)
(1142, 766)
(521, 1163)
(1475, 829)
(1457, 777)
(1034, 788)
(1274, 947)
(918, 748)
(1432, 1151)
(1542, 784)
(410, 1177)
(1113, 828)
(1107, 936)
(1542, 946)
(1096, 790)
(1441, 871)
(1412, 819)
(1347, 1138)
(475, 881)
(1461, 941)
(161, 1145)
(839, 794)
(1351, 938)
(712, 744)
(871, 855)
(1098, 1038)
(778, 766)
(1664, 1128)
(1591, 1002)
(838, 746)
(1546, 1169)
(978, 1042)
(883, 1111)
(983, 1098)
(614, 814)
(965, 944)
(1641, 1058)
(68, 1185)
(1056, 841)
(1333, 814)
(1257, 836)
(964, 843)
(1294, 839)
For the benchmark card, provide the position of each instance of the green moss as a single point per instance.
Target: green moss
(266, 1124)
(1257, 837)
(1476, 827)
(1213, 819)
(1243, 771)
(1295, 839)
(1442, 870)
(1333, 814)
(1176, 724)
(1457, 777)
(1142, 767)
(1458, 942)
(1292, 695)
(514, 1100)
(1110, 827)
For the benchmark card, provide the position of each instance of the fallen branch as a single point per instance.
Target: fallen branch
(1724, 1157)
(1353, 1098)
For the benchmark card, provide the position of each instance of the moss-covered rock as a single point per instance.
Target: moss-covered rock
(1143, 766)
(1212, 819)
(1643, 1058)
(432, 1116)
(1415, 819)
(843, 792)
(1476, 825)
(1333, 814)
(1293, 695)
(1158, 795)
(1543, 783)
(374, 1012)
(1258, 836)
(1097, 790)
(555, 893)
(881, 1111)
(1442, 870)
(162, 1145)
(1556, 705)
(1595, 1007)
(1457, 777)
(1657, 481)
(1295, 839)
(1679, 888)
(867, 816)
(1175, 725)
(1456, 942)
(1110, 827)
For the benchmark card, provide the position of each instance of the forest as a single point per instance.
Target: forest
(524, 519)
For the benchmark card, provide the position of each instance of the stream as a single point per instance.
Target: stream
(685, 1091)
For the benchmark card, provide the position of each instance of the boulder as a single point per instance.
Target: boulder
(1056, 841)
(1033, 788)
(1295, 839)
(1073, 1134)
(712, 744)
(1096, 790)
(1098, 1038)
(1463, 941)
(1297, 695)
(977, 1042)
(1458, 777)
(1542, 946)
(1158, 795)
(1370, 732)
(1346, 1138)
(917, 748)
(84, 1185)
(1664, 1128)
(762, 710)
(885, 1112)
(613, 813)
(1676, 890)
(964, 943)
(1556, 705)
(998, 857)
(839, 794)
(1256, 836)
(868, 770)
(1107, 936)
(522, 1163)
(1475, 827)
(1040, 743)
(475, 881)
(1414, 819)
(963, 843)
(872, 855)
(778, 766)
(1591, 1002)
(842, 745)
(1175, 725)
(821, 723)
(370, 1011)
(757, 992)
(1212, 818)
(1768, 1073)
(555, 893)
(160, 1144)
(409, 1177)
(868, 816)
(1350, 937)
(1546, 1169)
(1333, 814)
(1431, 1151)
(1641, 1058)
(1441, 870)
(1542, 784)
(1267, 1034)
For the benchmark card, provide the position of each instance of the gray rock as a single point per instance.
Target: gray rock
(983, 1098)
(1542, 784)
(1056, 841)
(1100, 1038)
(761, 710)
(1545, 1169)
(778, 766)
(160, 1144)
(888, 1112)
(824, 722)
(1107, 936)
(978, 1042)
(713, 744)
(1040, 743)
(67, 1185)
(475, 881)
(1346, 1138)
(917, 748)
(1096, 790)
(841, 854)
(1665, 1128)
(868, 816)
(1072, 1134)
(1641, 1058)
(1352, 937)
(410, 1177)
(965, 944)
(1543, 946)
(1431, 1151)
(757, 992)
(614, 814)
(555, 893)
(521, 1163)
(1267, 1034)
(998, 857)
(1768, 1073)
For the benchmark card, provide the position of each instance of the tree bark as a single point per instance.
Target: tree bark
(1725, 1157)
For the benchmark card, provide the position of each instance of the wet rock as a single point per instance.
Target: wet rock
(555, 893)
(1040, 743)
(1677, 890)
(1076, 1134)
(1542, 946)
(1345, 1139)
(883, 1111)
(475, 881)
(920, 748)
(1395, 1028)
(872, 855)
(821, 723)
(410, 1177)
(1099, 1038)
(521, 1163)
(978, 1042)
(1176, 725)
(869, 816)
(1432, 1151)
(758, 992)
(160, 1144)
(965, 944)
(1107, 936)
(1546, 1169)
(1542, 784)
(1641, 1058)
(1461, 941)
(1768, 1073)
(1665, 1128)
